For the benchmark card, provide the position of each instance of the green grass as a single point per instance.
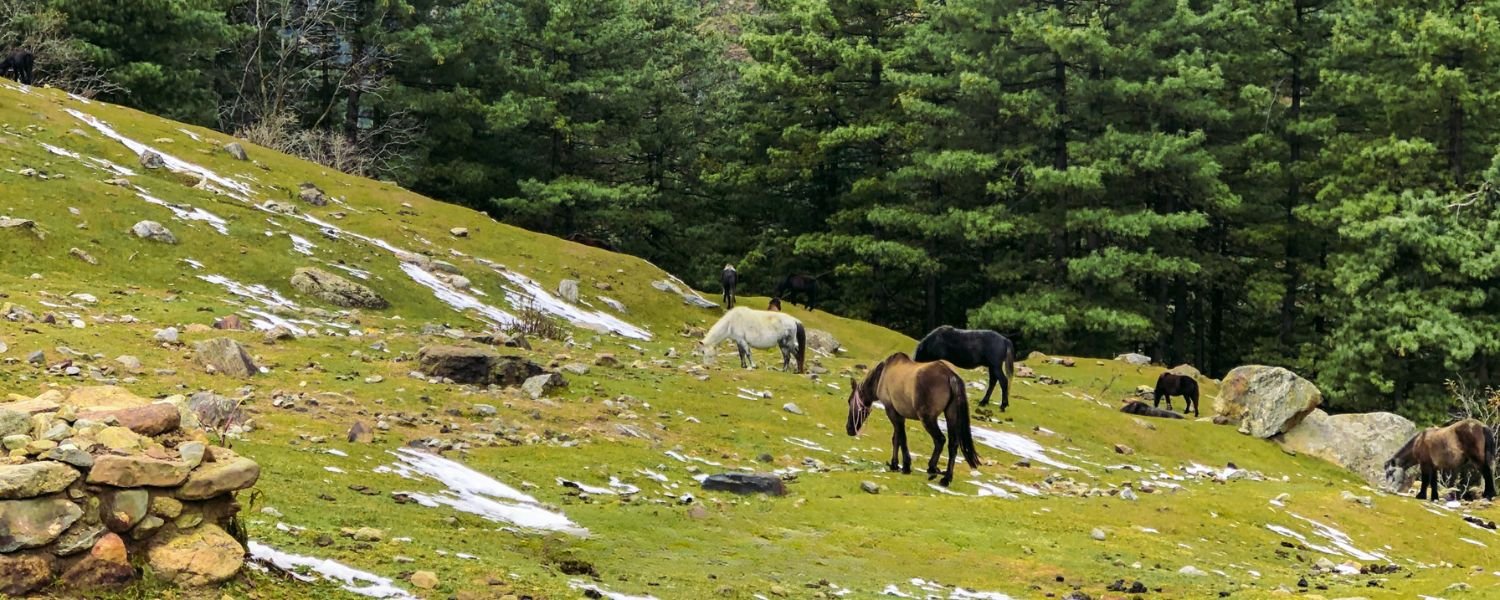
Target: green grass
(825, 529)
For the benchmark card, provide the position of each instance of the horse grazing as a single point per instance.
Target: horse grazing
(1446, 448)
(17, 65)
(728, 278)
(971, 349)
(1135, 407)
(805, 286)
(922, 391)
(580, 238)
(1172, 384)
(749, 328)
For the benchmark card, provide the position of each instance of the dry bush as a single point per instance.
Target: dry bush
(533, 322)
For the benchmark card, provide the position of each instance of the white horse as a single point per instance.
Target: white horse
(749, 328)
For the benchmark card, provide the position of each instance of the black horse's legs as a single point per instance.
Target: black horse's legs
(985, 401)
(1422, 491)
(937, 445)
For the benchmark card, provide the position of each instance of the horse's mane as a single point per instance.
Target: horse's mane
(1406, 448)
(867, 385)
(719, 331)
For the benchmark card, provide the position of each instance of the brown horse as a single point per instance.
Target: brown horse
(922, 391)
(1171, 384)
(1446, 448)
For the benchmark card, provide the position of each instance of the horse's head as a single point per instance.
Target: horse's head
(859, 410)
(774, 305)
(1398, 464)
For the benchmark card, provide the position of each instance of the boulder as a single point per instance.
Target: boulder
(1359, 442)
(1265, 401)
(459, 232)
(226, 356)
(1186, 370)
(226, 473)
(310, 194)
(151, 160)
(137, 470)
(746, 483)
(201, 556)
(236, 150)
(475, 365)
(1134, 359)
(214, 411)
(543, 384)
(22, 574)
(35, 522)
(34, 479)
(156, 232)
(822, 341)
(335, 290)
(151, 419)
(568, 290)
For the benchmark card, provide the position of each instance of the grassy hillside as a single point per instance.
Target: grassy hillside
(1021, 526)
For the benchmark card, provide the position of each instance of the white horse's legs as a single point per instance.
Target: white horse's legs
(746, 360)
(786, 345)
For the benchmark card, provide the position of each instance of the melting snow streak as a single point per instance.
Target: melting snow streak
(476, 493)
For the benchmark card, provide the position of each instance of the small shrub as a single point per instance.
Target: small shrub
(534, 322)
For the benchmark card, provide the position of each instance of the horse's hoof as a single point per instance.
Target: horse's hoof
(895, 467)
(945, 481)
(906, 470)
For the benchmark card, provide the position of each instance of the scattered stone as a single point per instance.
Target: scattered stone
(822, 341)
(130, 363)
(230, 322)
(153, 231)
(79, 254)
(459, 232)
(1192, 571)
(425, 580)
(746, 483)
(368, 534)
(869, 487)
(1123, 449)
(236, 150)
(791, 408)
(479, 366)
(1097, 534)
(543, 384)
(226, 356)
(1364, 501)
(568, 290)
(169, 335)
(607, 361)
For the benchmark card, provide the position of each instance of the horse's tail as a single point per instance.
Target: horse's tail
(963, 434)
(801, 348)
(1010, 373)
(1489, 448)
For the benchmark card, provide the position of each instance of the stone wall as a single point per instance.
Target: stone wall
(98, 482)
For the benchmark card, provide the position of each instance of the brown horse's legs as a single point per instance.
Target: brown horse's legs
(1429, 484)
(953, 442)
(898, 439)
(937, 442)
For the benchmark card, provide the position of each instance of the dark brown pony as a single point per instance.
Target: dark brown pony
(922, 391)
(775, 305)
(1172, 384)
(728, 278)
(803, 286)
(580, 238)
(1447, 448)
(1135, 407)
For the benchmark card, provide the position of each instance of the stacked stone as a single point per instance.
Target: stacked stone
(100, 481)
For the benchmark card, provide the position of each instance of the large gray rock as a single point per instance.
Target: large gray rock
(568, 289)
(543, 384)
(13, 422)
(226, 356)
(236, 150)
(34, 479)
(156, 232)
(1265, 401)
(478, 366)
(822, 341)
(1359, 442)
(746, 483)
(310, 194)
(335, 290)
(35, 522)
(1134, 359)
(151, 160)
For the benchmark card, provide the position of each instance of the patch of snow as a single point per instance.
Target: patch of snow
(108, 164)
(195, 214)
(301, 245)
(456, 299)
(60, 151)
(589, 587)
(193, 263)
(351, 579)
(360, 273)
(990, 489)
(653, 475)
(1017, 445)
(937, 488)
(1475, 542)
(333, 469)
(257, 292)
(190, 134)
(236, 188)
(1339, 539)
(336, 452)
(530, 292)
(809, 444)
(476, 493)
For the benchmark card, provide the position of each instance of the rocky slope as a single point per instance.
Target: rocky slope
(571, 466)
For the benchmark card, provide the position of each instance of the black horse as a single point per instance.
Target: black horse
(804, 286)
(17, 65)
(971, 349)
(1172, 384)
(727, 279)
